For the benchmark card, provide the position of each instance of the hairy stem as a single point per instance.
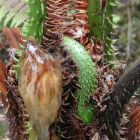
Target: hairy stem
(120, 96)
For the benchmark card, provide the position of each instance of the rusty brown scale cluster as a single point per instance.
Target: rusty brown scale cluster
(16, 112)
(69, 17)
(123, 91)
(134, 124)
(12, 101)
(130, 122)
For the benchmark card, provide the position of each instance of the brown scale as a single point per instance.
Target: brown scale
(133, 127)
(123, 91)
(16, 112)
(13, 103)
(3, 88)
(72, 20)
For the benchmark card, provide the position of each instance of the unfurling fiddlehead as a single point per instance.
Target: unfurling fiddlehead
(87, 78)
(40, 86)
(119, 97)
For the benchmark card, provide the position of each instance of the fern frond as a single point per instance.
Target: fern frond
(13, 13)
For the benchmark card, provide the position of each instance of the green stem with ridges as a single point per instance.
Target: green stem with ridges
(87, 78)
(108, 28)
(95, 21)
(101, 25)
(33, 27)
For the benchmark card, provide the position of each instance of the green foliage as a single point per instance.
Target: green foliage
(12, 17)
(101, 24)
(33, 27)
(87, 78)
(1, 130)
(95, 21)
(17, 66)
(31, 131)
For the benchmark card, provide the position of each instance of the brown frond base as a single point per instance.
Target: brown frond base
(13, 103)
(119, 97)
(130, 123)
(16, 112)
(134, 124)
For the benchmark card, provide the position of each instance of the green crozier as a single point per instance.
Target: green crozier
(87, 78)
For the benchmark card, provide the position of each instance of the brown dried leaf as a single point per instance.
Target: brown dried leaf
(3, 88)
(17, 34)
(10, 38)
(134, 124)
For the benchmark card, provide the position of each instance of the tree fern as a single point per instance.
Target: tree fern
(71, 18)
